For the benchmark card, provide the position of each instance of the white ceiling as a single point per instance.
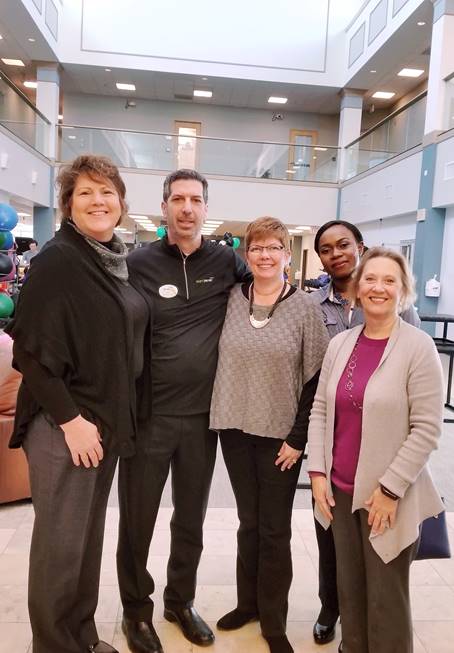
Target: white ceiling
(404, 49)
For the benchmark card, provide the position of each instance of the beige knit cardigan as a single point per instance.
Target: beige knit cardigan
(402, 421)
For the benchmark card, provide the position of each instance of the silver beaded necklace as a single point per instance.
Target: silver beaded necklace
(349, 384)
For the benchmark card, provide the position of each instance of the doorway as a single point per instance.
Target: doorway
(301, 153)
(187, 144)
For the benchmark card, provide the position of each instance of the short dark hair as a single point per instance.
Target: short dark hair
(267, 227)
(96, 167)
(184, 173)
(33, 241)
(334, 223)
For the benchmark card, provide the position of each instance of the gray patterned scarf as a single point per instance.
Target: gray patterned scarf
(112, 257)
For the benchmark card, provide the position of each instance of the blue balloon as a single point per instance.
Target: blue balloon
(8, 217)
(6, 240)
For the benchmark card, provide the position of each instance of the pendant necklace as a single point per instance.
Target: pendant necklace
(259, 324)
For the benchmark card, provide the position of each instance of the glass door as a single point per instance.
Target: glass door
(187, 145)
(301, 153)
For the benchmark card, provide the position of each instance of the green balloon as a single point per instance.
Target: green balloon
(236, 243)
(161, 232)
(6, 305)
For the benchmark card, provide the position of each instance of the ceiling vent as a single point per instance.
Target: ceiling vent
(182, 96)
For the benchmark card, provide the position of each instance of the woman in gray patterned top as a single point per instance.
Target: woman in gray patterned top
(270, 353)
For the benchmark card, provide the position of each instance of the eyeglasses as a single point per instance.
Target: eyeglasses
(270, 249)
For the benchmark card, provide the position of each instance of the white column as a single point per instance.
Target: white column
(441, 66)
(47, 101)
(349, 127)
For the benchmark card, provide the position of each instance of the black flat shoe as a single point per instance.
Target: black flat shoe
(236, 619)
(279, 644)
(102, 647)
(191, 624)
(141, 636)
(324, 634)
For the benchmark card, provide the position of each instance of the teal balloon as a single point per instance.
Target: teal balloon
(6, 305)
(6, 240)
(8, 217)
(161, 231)
(236, 243)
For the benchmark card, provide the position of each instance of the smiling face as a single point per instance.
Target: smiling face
(267, 264)
(339, 252)
(95, 207)
(380, 288)
(185, 211)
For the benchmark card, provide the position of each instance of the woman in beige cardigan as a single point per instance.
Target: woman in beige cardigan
(376, 418)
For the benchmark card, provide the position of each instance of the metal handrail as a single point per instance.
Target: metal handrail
(208, 138)
(388, 118)
(23, 97)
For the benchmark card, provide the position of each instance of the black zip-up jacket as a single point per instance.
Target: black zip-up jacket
(190, 295)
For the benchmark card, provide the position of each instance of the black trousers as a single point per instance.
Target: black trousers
(327, 574)
(264, 496)
(66, 548)
(374, 596)
(187, 447)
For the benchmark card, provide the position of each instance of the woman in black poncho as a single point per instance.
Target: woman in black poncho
(79, 334)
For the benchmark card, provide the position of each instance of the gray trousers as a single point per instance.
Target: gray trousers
(65, 558)
(373, 596)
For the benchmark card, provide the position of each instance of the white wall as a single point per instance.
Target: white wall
(242, 200)
(446, 301)
(389, 232)
(22, 164)
(391, 191)
(226, 122)
(443, 194)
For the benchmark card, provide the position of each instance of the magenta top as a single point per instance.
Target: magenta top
(362, 363)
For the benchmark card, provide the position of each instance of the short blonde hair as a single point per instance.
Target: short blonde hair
(408, 282)
(267, 227)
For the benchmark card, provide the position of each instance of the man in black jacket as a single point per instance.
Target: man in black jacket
(189, 279)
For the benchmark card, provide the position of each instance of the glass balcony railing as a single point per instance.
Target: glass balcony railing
(397, 133)
(20, 117)
(214, 156)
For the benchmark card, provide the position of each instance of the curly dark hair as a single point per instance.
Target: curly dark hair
(97, 168)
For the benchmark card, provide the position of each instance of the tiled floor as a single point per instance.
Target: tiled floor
(432, 587)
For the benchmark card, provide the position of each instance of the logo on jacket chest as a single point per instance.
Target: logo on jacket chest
(205, 280)
(168, 291)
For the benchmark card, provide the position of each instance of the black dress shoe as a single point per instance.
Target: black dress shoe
(141, 636)
(324, 634)
(192, 625)
(102, 647)
(236, 619)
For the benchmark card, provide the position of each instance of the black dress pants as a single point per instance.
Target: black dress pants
(187, 447)
(374, 597)
(65, 557)
(264, 496)
(327, 572)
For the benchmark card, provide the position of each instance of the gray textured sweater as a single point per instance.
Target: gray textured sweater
(261, 372)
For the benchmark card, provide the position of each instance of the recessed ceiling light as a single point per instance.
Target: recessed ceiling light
(72, 137)
(205, 79)
(303, 228)
(21, 214)
(213, 223)
(421, 23)
(60, 116)
(198, 93)
(410, 72)
(277, 100)
(383, 95)
(290, 172)
(373, 71)
(125, 87)
(135, 216)
(108, 70)
(320, 149)
(31, 39)
(1, 37)
(13, 62)
(31, 84)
